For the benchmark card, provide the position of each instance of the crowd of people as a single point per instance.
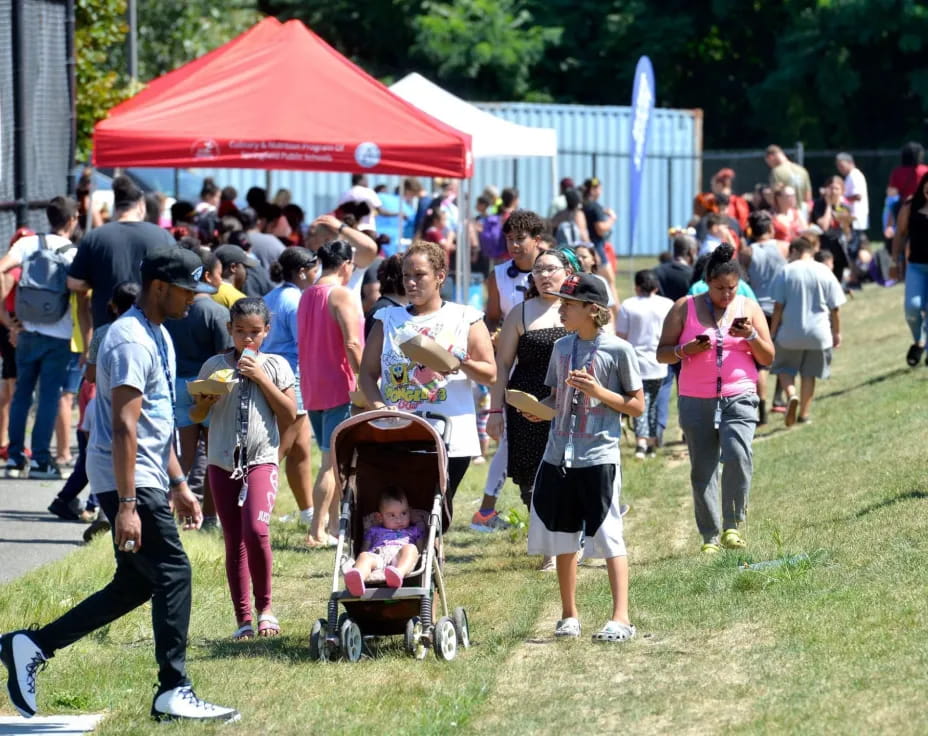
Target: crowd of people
(302, 324)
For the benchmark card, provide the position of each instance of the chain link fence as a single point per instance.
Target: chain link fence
(750, 170)
(42, 131)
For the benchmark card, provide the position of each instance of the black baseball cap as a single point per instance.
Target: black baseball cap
(583, 287)
(176, 266)
(229, 254)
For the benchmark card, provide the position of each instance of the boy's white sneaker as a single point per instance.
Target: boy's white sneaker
(23, 659)
(182, 702)
(567, 627)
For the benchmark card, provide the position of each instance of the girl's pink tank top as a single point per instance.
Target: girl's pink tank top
(699, 373)
(325, 373)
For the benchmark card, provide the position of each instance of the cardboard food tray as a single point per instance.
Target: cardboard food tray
(529, 404)
(425, 351)
(211, 386)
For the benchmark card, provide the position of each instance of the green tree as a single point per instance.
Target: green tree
(195, 28)
(487, 48)
(100, 26)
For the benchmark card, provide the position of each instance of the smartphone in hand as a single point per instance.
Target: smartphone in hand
(739, 322)
(704, 339)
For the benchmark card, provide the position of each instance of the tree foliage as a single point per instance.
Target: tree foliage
(170, 33)
(828, 72)
(100, 25)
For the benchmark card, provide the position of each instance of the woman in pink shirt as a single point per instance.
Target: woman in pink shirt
(719, 338)
(330, 337)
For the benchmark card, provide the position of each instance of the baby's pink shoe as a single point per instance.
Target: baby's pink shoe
(354, 582)
(393, 577)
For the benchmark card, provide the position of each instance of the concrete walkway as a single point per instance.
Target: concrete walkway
(29, 535)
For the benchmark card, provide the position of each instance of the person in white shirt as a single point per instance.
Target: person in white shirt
(43, 350)
(855, 194)
(361, 192)
(641, 319)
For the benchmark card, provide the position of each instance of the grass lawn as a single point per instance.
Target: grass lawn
(834, 644)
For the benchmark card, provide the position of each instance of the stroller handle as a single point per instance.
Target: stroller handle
(445, 425)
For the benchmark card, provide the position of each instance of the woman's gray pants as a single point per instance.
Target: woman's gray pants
(730, 444)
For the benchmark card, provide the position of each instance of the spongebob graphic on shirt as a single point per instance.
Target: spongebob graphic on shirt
(411, 384)
(412, 387)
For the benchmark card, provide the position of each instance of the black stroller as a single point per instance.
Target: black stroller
(371, 451)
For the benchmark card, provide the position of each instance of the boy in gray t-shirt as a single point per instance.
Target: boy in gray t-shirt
(594, 379)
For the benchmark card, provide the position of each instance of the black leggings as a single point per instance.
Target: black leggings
(457, 467)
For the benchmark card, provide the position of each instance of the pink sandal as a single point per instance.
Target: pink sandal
(393, 577)
(354, 582)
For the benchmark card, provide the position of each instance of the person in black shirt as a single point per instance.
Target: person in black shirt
(111, 254)
(674, 276)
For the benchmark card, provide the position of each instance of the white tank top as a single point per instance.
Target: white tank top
(413, 387)
(511, 288)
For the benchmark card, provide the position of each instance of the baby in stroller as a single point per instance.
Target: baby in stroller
(392, 545)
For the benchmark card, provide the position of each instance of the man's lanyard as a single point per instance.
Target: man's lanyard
(576, 397)
(719, 340)
(166, 366)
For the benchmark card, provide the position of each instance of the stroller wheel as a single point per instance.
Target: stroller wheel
(414, 646)
(351, 641)
(461, 627)
(317, 639)
(446, 639)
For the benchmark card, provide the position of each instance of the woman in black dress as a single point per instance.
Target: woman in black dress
(526, 340)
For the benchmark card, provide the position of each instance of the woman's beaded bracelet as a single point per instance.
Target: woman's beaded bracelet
(678, 352)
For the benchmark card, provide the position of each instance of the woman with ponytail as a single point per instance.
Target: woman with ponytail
(719, 338)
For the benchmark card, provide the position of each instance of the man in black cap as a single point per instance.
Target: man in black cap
(133, 467)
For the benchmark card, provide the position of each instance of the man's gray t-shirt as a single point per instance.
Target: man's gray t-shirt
(808, 291)
(263, 437)
(766, 262)
(598, 428)
(266, 248)
(129, 356)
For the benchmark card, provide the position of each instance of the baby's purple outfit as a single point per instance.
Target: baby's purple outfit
(378, 539)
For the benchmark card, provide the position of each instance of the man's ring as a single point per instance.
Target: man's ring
(129, 545)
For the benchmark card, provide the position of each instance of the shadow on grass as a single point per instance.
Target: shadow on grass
(914, 494)
(291, 647)
(873, 381)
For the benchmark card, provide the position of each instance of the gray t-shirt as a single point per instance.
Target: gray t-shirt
(266, 248)
(263, 434)
(808, 291)
(766, 262)
(598, 428)
(130, 356)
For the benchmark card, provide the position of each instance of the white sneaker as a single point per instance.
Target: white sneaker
(306, 517)
(23, 659)
(182, 702)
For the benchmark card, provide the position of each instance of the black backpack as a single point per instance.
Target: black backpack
(42, 292)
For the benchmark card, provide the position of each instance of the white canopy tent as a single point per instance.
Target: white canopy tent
(491, 137)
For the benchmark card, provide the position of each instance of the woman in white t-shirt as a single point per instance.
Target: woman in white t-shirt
(411, 387)
(641, 319)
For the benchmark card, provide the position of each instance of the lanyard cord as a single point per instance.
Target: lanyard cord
(719, 340)
(240, 453)
(166, 367)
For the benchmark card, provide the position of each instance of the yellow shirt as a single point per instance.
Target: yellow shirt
(227, 295)
(77, 339)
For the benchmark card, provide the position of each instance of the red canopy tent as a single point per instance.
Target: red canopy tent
(278, 97)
